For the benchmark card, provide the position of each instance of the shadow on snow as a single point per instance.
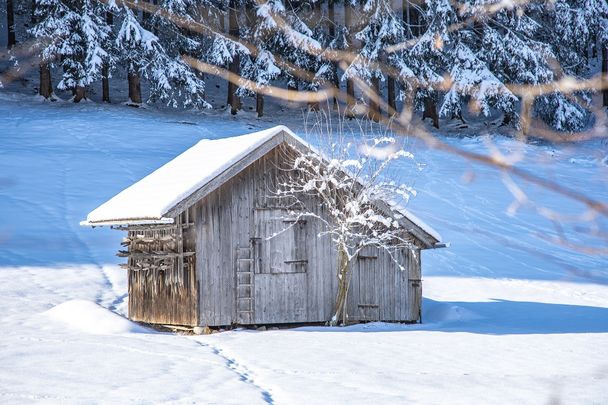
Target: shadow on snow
(497, 317)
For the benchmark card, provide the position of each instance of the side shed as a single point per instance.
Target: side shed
(198, 249)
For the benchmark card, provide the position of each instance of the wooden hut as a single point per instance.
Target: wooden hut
(199, 254)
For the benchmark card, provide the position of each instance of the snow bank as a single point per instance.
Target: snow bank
(88, 317)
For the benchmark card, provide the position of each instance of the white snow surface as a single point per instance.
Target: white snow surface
(510, 316)
(154, 195)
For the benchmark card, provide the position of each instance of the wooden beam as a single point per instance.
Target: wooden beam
(153, 255)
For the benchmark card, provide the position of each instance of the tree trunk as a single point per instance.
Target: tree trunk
(605, 74)
(259, 104)
(392, 103)
(33, 18)
(374, 109)
(313, 106)
(105, 69)
(317, 15)
(291, 88)
(46, 88)
(134, 87)
(146, 19)
(80, 93)
(415, 19)
(105, 83)
(340, 315)
(410, 19)
(507, 120)
(430, 111)
(405, 16)
(331, 13)
(350, 85)
(10, 24)
(233, 30)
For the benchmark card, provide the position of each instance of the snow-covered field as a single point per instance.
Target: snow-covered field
(510, 316)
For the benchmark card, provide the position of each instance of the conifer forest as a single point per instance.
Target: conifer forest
(514, 61)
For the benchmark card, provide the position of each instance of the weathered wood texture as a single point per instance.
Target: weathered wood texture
(163, 288)
(247, 277)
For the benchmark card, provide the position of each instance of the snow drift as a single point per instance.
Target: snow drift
(88, 317)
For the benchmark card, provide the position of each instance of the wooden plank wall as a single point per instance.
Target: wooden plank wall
(225, 225)
(165, 292)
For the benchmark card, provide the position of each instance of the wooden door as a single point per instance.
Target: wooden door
(368, 307)
(281, 264)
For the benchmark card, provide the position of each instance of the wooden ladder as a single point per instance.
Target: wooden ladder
(244, 286)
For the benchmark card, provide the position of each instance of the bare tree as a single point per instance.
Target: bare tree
(361, 208)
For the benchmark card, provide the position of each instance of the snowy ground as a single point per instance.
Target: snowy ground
(509, 316)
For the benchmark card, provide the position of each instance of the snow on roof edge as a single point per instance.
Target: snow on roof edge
(420, 223)
(128, 221)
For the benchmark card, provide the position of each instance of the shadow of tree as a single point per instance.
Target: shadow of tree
(496, 317)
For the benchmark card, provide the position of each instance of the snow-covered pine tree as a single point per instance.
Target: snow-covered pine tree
(522, 46)
(48, 30)
(291, 38)
(513, 54)
(86, 48)
(171, 80)
(455, 54)
(572, 31)
(424, 64)
(225, 50)
(261, 67)
(72, 33)
(383, 28)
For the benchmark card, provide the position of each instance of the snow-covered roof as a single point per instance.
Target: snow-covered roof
(150, 200)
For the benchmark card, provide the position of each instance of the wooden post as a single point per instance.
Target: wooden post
(10, 24)
(234, 67)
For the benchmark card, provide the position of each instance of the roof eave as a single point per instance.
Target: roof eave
(133, 221)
